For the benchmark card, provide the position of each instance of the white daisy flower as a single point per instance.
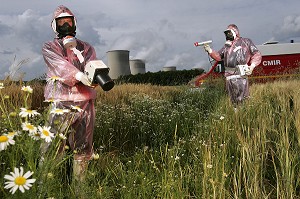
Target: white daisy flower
(77, 108)
(27, 89)
(62, 136)
(6, 140)
(18, 181)
(1, 85)
(59, 111)
(54, 79)
(35, 135)
(13, 133)
(26, 126)
(46, 134)
(28, 113)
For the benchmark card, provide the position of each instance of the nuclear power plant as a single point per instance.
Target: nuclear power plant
(169, 68)
(119, 64)
(137, 66)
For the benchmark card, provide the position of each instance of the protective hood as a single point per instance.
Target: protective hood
(234, 28)
(61, 11)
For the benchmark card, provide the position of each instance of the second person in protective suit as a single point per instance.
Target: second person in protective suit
(240, 57)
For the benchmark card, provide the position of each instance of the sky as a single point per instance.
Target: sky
(161, 32)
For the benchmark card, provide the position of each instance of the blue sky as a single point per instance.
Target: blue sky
(161, 32)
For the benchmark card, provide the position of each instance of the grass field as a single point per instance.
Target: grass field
(166, 142)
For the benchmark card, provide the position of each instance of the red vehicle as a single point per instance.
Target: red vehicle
(278, 61)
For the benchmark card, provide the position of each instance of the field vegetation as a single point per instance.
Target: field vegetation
(164, 142)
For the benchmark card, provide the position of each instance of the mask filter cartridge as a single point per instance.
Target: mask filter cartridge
(69, 42)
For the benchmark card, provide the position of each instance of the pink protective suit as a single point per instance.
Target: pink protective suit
(241, 51)
(65, 90)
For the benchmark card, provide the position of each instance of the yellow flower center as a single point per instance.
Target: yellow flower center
(3, 138)
(20, 180)
(29, 126)
(29, 111)
(11, 133)
(58, 111)
(46, 133)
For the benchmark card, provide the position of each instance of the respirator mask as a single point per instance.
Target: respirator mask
(67, 33)
(66, 29)
(230, 36)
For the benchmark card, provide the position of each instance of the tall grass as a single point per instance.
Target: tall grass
(176, 142)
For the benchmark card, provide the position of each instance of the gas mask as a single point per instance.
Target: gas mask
(230, 36)
(66, 29)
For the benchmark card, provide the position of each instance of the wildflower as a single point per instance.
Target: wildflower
(35, 135)
(45, 133)
(26, 126)
(145, 148)
(77, 108)
(95, 156)
(222, 118)
(50, 175)
(18, 181)
(6, 140)
(12, 114)
(13, 133)
(27, 89)
(1, 86)
(27, 112)
(209, 166)
(59, 111)
(55, 78)
(51, 100)
(62, 136)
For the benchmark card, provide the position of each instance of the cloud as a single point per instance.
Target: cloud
(289, 29)
(145, 44)
(147, 29)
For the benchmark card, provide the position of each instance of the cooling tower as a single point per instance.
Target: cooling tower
(169, 68)
(118, 63)
(137, 66)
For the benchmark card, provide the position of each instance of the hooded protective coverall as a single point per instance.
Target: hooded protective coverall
(239, 51)
(65, 91)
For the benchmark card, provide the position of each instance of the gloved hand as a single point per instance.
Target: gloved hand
(250, 69)
(80, 76)
(207, 48)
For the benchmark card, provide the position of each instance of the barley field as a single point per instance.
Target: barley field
(160, 142)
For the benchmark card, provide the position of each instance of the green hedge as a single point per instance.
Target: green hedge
(162, 78)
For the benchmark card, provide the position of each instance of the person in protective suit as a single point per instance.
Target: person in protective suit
(240, 57)
(68, 87)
